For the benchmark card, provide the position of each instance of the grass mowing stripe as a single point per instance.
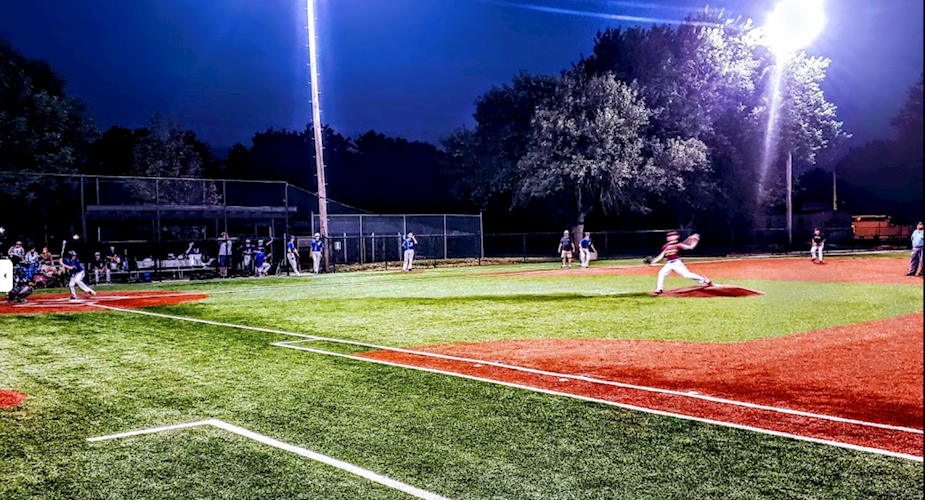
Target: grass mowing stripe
(311, 455)
(758, 430)
(587, 379)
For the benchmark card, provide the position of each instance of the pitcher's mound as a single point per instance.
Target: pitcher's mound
(10, 398)
(711, 291)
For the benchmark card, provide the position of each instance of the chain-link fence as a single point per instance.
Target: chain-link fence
(368, 238)
(617, 244)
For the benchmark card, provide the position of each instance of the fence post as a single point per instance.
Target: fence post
(362, 243)
(444, 238)
(372, 241)
(524, 249)
(345, 248)
(433, 250)
(481, 238)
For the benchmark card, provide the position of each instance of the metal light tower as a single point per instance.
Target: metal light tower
(316, 126)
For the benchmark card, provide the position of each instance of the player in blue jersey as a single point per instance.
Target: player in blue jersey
(73, 265)
(292, 255)
(408, 245)
(585, 247)
(317, 248)
(261, 260)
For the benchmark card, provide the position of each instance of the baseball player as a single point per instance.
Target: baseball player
(22, 287)
(816, 245)
(247, 258)
(585, 247)
(317, 248)
(261, 261)
(565, 249)
(672, 251)
(292, 255)
(72, 264)
(408, 245)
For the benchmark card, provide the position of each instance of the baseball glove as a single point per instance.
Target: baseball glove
(647, 259)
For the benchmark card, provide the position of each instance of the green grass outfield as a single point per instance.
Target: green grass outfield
(102, 373)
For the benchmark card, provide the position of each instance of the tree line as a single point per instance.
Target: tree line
(656, 127)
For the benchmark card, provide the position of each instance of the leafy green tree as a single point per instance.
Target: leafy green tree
(42, 129)
(171, 152)
(485, 160)
(589, 150)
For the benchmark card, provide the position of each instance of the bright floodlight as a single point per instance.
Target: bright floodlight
(793, 25)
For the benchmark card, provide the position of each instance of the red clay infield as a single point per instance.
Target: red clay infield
(872, 372)
(10, 398)
(59, 303)
(842, 270)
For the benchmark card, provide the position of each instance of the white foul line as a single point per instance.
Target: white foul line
(311, 455)
(534, 371)
(759, 430)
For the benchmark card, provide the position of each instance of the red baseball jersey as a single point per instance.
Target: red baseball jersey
(672, 251)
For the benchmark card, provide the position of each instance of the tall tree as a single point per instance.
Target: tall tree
(589, 150)
(42, 129)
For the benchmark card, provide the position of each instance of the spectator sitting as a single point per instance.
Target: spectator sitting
(48, 262)
(16, 253)
(100, 266)
(32, 257)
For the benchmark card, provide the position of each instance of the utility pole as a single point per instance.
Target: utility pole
(789, 199)
(316, 125)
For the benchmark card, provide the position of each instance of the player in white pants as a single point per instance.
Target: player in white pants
(672, 252)
(292, 254)
(816, 245)
(317, 249)
(72, 264)
(408, 245)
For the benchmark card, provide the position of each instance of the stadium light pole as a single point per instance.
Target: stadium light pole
(792, 26)
(316, 126)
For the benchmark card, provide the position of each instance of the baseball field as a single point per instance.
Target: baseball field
(502, 382)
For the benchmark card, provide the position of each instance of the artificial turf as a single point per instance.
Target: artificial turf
(103, 373)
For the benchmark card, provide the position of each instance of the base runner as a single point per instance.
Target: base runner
(672, 251)
(72, 264)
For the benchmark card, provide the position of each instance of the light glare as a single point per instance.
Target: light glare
(793, 25)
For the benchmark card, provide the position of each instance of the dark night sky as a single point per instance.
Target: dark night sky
(412, 68)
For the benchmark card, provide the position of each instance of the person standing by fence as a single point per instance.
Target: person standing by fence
(918, 243)
(292, 255)
(408, 245)
(585, 247)
(224, 255)
(317, 248)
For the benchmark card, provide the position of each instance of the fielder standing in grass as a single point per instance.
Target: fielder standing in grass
(317, 248)
(585, 247)
(408, 245)
(73, 265)
(672, 251)
(816, 245)
(918, 243)
(565, 249)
